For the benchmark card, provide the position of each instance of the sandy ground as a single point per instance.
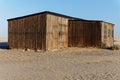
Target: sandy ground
(67, 64)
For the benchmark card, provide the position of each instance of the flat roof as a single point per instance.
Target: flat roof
(94, 21)
(46, 12)
(57, 14)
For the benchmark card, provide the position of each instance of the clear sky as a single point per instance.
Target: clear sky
(107, 10)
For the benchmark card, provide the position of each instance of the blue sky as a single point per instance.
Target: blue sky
(107, 10)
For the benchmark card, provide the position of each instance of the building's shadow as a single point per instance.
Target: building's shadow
(3, 45)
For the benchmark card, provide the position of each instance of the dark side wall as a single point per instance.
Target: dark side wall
(82, 33)
(27, 33)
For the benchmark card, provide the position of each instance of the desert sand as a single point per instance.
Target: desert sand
(3, 39)
(65, 64)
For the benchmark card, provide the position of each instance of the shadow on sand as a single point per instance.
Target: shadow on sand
(3, 45)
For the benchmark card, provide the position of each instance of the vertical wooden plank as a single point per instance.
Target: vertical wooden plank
(84, 33)
(9, 34)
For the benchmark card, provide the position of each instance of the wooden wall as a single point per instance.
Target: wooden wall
(84, 33)
(57, 32)
(107, 34)
(27, 33)
(44, 32)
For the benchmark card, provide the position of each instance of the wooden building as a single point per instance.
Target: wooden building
(40, 31)
(49, 30)
(88, 33)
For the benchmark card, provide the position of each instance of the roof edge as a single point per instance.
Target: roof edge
(95, 21)
(46, 12)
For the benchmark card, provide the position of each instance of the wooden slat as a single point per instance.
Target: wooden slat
(27, 33)
(57, 32)
(84, 34)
